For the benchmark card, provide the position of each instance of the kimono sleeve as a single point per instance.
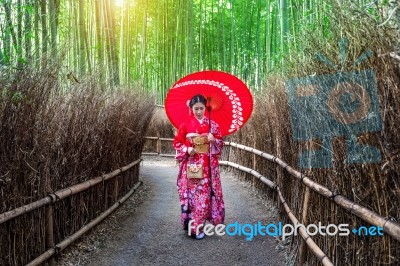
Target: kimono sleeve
(179, 143)
(216, 147)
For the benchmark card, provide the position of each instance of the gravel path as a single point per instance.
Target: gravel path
(151, 234)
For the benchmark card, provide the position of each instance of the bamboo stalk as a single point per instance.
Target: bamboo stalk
(167, 155)
(311, 244)
(116, 185)
(278, 170)
(254, 161)
(6, 216)
(302, 250)
(50, 231)
(68, 241)
(262, 178)
(49, 241)
(167, 139)
(149, 153)
(150, 137)
(158, 145)
(389, 227)
(62, 194)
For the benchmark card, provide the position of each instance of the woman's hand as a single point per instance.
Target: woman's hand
(211, 138)
(191, 151)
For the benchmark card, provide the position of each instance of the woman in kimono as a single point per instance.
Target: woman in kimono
(200, 198)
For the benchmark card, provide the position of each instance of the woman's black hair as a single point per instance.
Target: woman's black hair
(197, 99)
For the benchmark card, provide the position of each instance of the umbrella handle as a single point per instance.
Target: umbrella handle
(208, 106)
(209, 153)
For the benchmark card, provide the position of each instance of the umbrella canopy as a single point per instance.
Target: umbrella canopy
(228, 99)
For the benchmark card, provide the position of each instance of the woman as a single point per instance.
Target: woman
(200, 198)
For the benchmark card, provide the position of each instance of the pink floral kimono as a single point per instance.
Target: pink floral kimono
(194, 194)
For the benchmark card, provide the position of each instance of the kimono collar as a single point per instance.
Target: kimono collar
(200, 126)
(200, 121)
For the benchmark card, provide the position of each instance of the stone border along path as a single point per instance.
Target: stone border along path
(151, 234)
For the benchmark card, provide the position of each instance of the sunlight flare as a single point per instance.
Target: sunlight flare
(119, 3)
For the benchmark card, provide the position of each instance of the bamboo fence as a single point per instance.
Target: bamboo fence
(369, 216)
(310, 243)
(389, 227)
(57, 196)
(159, 148)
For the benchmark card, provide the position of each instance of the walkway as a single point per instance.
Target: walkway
(152, 235)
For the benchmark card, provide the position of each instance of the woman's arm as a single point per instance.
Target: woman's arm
(179, 143)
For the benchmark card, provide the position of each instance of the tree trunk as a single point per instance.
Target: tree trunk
(19, 33)
(28, 31)
(7, 10)
(75, 35)
(44, 26)
(121, 43)
(82, 35)
(53, 28)
(128, 47)
(36, 30)
(284, 28)
(113, 45)
(99, 37)
(109, 15)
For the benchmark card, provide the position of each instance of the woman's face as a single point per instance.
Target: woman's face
(198, 110)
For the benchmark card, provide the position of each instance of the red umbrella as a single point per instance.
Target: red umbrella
(228, 97)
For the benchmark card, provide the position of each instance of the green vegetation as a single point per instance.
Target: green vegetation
(154, 43)
(63, 115)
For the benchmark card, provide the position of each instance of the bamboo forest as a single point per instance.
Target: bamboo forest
(207, 132)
